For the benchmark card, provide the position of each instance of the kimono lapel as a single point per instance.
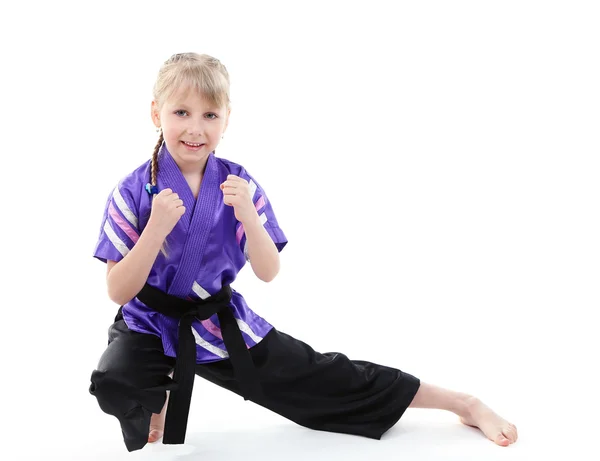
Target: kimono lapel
(170, 176)
(198, 220)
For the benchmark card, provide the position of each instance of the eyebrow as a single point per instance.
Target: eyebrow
(185, 106)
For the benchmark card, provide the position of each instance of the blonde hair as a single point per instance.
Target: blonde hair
(195, 72)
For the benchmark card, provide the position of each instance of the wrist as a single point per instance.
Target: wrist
(153, 233)
(252, 222)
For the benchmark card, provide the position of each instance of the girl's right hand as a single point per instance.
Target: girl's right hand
(167, 209)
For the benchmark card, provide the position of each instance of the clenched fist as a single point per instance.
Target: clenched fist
(236, 193)
(167, 209)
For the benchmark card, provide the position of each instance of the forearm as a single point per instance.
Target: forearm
(262, 252)
(126, 279)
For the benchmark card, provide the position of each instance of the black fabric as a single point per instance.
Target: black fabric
(131, 380)
(322, 391)
(187, 311)
(327, 392)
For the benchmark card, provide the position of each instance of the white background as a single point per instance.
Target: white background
(433, 164)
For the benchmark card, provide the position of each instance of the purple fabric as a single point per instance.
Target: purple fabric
(202, 248)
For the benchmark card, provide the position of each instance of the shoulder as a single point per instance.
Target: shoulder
(129, 191)
(257, 189)
(135, 178)
(230, 167)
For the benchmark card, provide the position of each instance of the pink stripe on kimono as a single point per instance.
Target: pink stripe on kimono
(202, 250)
(212, 328)
(240, 231)
(122, 223)
(215, 330)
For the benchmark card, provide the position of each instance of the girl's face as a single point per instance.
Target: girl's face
(191, 127)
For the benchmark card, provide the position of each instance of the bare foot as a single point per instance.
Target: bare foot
(157, 426)
(157, 422)
(495, 428)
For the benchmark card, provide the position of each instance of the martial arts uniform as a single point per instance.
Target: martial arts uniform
(187, 318)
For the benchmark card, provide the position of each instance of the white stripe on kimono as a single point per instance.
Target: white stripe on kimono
(246, 329)
(201, 292)
(252, 185)
(124, 208)
(208, 346)
(215, 330)
(114, 238)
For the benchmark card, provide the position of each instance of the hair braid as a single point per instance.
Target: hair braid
(194, 72)
(154, 167)
(154, 176)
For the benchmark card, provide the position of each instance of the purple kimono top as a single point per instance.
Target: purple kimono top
(205, 250)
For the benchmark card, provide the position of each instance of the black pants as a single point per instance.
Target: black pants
(326, 392)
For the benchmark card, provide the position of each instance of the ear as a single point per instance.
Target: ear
(227, 119)
(155, 114)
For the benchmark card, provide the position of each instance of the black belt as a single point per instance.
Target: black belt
(187, 311)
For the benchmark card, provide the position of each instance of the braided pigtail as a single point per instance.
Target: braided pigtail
(199, 74)
(154, 167)
(154, 176)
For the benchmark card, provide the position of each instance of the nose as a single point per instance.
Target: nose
(195, 127)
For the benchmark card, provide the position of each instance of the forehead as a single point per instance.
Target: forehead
(191, 98)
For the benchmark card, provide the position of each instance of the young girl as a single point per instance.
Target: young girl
(175, 233)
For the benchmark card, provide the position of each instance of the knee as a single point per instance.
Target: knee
(114, 375)
(119, 392)
(109, 388)
(100, 380)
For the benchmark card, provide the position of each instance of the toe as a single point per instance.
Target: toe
(502, 440)
(510, 433)
(154, 435)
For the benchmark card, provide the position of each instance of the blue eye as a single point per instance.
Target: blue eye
(183, 113)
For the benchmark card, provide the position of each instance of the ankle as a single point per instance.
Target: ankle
(465, 404)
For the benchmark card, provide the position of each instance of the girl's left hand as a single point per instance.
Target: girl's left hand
(236, 193)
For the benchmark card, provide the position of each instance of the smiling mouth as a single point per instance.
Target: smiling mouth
(192, 144)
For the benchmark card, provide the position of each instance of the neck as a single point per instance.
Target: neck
(192, 169)
(193, 174)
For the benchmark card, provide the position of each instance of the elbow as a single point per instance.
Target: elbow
(118, 289)
(116, 295)
(270, 275)
(268, 279)
(117, 298)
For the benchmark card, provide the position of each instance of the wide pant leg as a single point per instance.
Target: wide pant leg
(327, 392)
(321, 391)
(131, 380)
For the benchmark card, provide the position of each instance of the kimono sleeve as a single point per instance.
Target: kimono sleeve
(119, 230)
(265, 212)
